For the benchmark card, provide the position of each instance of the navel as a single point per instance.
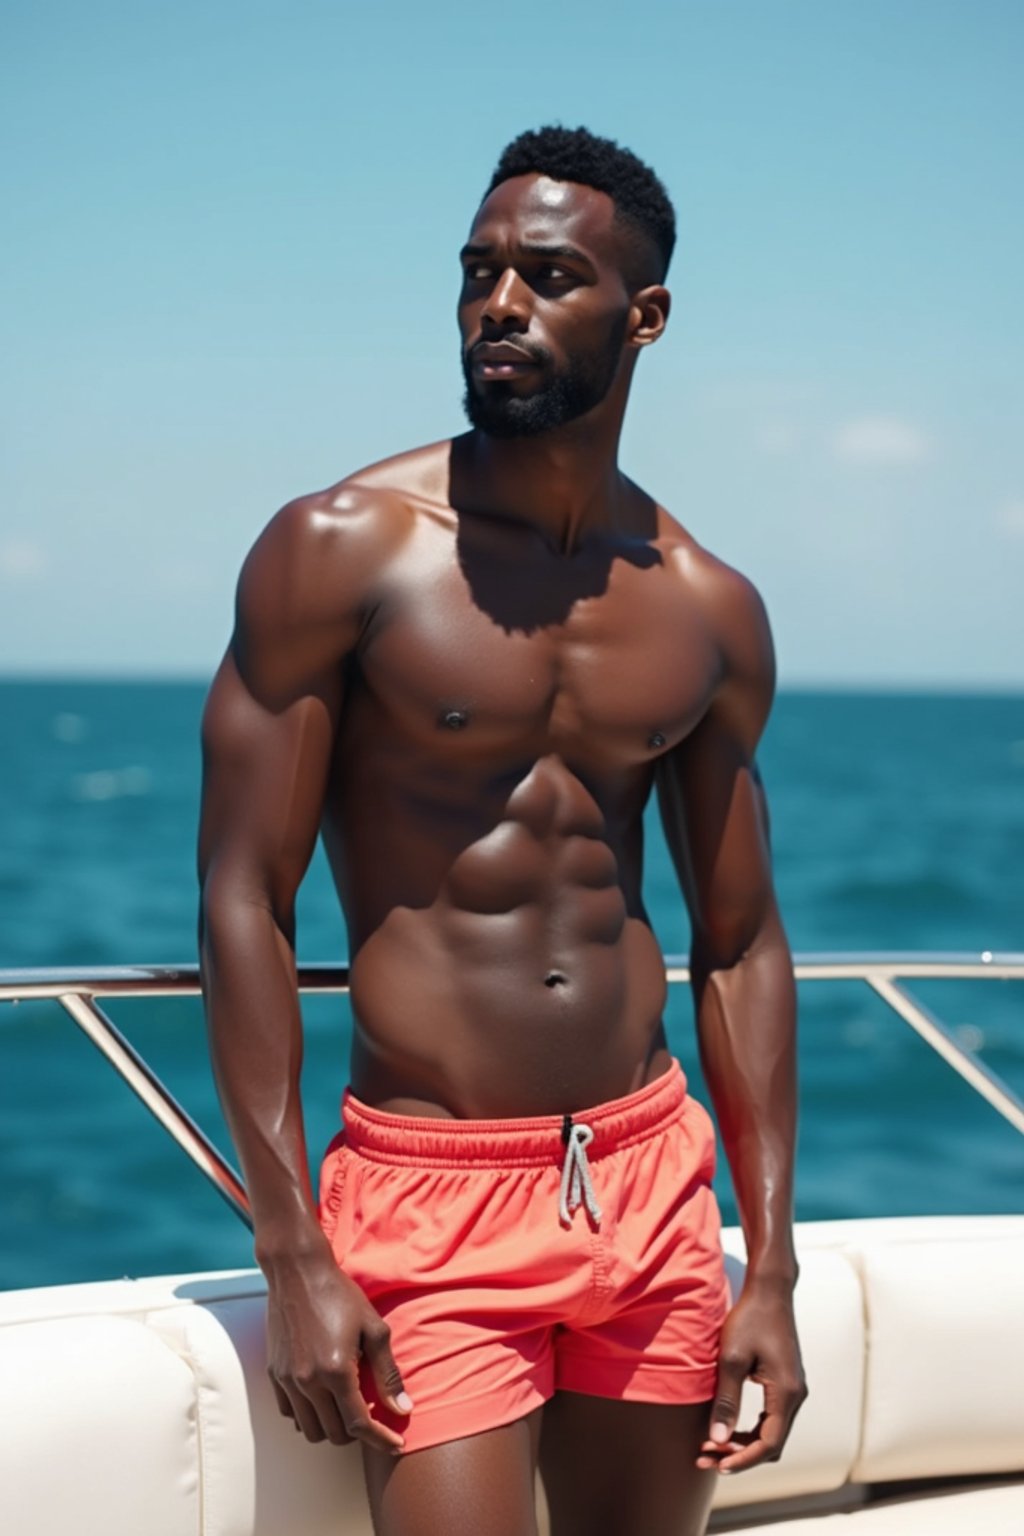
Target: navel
(555, 979)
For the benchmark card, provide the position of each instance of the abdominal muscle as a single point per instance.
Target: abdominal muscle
(524, 988)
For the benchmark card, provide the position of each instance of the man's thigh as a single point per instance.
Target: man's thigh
(624, 1469)
(482, 1485)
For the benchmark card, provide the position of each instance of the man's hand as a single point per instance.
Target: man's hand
(758, 1340)
(318, 1324)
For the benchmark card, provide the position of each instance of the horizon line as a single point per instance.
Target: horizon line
(982, 687)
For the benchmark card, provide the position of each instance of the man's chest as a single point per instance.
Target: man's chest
(608, 663)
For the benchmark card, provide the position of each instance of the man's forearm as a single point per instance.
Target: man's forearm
(255, 1032)
(746, 1026)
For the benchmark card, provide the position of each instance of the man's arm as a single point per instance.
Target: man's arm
(268, 733)
(715, 817)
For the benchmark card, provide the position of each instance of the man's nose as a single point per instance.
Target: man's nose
(508, 303)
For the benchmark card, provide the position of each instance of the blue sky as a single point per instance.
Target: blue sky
(230, 278)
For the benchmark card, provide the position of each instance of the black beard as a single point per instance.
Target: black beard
(564, 397)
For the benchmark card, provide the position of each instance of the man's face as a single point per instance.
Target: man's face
(544, 309)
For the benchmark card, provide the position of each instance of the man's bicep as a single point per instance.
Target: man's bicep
(713, 810)
(264, 780)
(273, 710)
(298, 606)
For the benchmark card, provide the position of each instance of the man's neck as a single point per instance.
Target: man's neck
(566, 484)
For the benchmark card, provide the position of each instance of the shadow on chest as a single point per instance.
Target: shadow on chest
(595, 654)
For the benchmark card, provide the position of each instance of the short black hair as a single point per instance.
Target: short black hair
(576, 154)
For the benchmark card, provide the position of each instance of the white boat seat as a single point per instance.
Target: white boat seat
(143, 1406)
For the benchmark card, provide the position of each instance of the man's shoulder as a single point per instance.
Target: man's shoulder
(729, 604)
(317, 565)
(336, 541)
(718, 588)
(317, 569)
(372, 507)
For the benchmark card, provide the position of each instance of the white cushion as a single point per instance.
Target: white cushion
(98, 1431)
(945, 1379)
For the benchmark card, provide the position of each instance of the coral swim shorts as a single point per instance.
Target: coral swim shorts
(516, 1258)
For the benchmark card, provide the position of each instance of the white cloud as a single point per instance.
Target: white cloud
(1010, 518)
(880, 440)
(21, 560)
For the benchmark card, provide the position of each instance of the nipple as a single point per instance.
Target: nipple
(454, 719)
(657, 739)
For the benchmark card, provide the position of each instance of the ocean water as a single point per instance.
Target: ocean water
(897, 824)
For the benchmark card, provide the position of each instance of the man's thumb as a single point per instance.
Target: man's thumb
(726, 1407)
(377, 1344)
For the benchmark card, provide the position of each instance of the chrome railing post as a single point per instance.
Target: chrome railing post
(158, 1099)
(981, 1078)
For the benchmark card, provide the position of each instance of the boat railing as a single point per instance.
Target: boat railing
(78, 992)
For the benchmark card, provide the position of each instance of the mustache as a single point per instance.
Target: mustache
(529, 350)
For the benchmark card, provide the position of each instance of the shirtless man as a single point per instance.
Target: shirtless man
(467, 666)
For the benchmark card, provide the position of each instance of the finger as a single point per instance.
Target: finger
(305, 1414)
(357, 1421)
(708, 1460)
(713, 1456)
(710, 1454)
(283, 1400)
(377, 1348)
(329, 1414)
(718, 1448)
(773, 1426)
(765, 1445)
(713, 1452)
(784, 1401)
(725, 1410)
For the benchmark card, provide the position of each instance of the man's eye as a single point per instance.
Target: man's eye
(550, 273)
(477, 272)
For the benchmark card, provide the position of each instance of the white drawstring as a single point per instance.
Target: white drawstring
(577, 1188)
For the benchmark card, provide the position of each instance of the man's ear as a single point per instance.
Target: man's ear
(648, 314)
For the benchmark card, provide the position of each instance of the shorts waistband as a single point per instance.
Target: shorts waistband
(425, 1141)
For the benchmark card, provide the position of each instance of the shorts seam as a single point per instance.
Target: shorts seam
(534, 1397)
(330, 1210)
(637, 1384)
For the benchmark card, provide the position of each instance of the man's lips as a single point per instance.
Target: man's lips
(488, 370)
(500, 360)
